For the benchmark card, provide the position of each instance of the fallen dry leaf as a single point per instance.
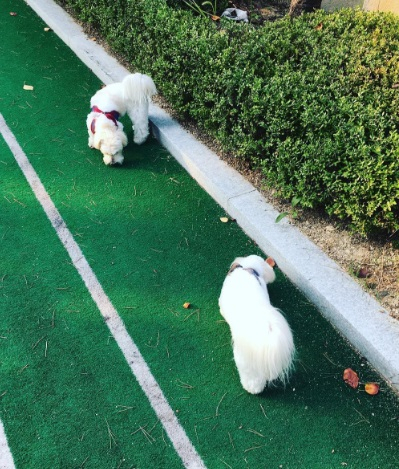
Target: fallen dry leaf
(271, 261)
(224, 219)
(351, 378)
(13, 13)
(372, 388)
(186, 305)
(319, 27)
(28, 87)
(364, 272)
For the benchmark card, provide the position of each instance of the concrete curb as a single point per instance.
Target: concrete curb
(360, 318)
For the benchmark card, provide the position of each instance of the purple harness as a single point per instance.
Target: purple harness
(113, 116)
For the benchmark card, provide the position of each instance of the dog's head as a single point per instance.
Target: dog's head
(112, 151)
(256, 263)
(110, 140)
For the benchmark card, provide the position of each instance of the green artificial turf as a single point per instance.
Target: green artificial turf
(154, 239)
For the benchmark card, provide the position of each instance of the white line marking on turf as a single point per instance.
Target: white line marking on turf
(6, 460)
(139, 367)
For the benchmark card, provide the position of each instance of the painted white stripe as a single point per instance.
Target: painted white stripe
(139, 367)
(6, 460)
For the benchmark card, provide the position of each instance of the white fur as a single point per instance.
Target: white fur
(108, 138)
(263, 345)
(131, 97)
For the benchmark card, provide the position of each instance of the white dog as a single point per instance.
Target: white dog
(263, 345)
(106, 133)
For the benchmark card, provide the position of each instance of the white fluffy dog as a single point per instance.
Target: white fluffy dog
(131, 97)
(263, 345)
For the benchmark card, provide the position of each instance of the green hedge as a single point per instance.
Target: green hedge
(313, 101)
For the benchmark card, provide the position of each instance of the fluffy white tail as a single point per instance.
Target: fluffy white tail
(138, 88)
(263, 351)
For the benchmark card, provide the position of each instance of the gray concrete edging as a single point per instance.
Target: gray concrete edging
(358, 317)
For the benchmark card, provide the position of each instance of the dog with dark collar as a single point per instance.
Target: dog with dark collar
(263, 344)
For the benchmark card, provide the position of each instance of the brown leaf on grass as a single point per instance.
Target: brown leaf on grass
(186, 305)
(351, 378)
(271, 262)
(372, 388)
(319, 27)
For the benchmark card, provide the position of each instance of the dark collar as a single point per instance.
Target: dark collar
(248, 269)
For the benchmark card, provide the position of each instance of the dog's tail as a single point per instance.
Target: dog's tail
(138, 88)
(268, 346)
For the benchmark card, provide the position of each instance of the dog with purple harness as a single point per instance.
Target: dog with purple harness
(131, 97)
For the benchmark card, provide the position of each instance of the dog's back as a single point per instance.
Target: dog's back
(110, 98)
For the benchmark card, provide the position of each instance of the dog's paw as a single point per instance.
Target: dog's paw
(253, 386)
(108, 160)
(140, 136)
(118, 159)
(112, 159)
